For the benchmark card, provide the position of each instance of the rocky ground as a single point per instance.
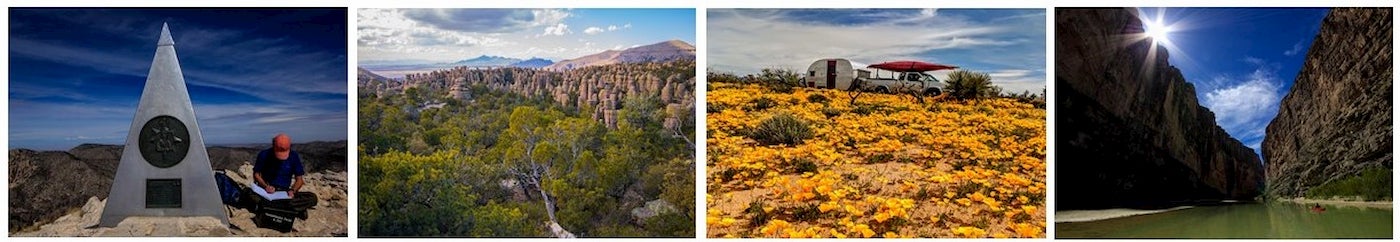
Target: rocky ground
(86, 173)
(328, 218)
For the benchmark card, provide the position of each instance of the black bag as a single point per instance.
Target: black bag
(229, 191)
(275, 218)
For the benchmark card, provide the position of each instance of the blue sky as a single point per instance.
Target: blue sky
(1009, 44)
(445, 35)
(1241, 60)
(76, 75)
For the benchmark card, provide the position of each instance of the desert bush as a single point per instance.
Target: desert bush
(817, 98)
(1034, 99)
(778, 80)
(711, 77)
(763, 103)
(782, 128)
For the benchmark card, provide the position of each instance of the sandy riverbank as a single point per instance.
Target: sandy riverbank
(1341, 203)
(1073, 216)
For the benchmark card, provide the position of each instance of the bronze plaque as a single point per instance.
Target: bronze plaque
(164, 140)
(163, 193)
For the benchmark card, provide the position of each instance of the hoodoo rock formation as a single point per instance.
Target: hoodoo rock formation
(1130, 132)
(1336, 121)
(664, 70)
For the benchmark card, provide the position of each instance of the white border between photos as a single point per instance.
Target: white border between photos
(700, 6)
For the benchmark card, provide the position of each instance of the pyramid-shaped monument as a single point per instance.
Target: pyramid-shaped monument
(165, 170)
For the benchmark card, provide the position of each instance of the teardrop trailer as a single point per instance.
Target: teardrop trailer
(904, 76)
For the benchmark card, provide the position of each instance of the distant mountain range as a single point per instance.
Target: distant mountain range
(487, 60)
(659, 52)
(533, 63)
(498, 61)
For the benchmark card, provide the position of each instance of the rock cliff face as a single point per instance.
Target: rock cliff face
(1130, 132)
(45, 185)
(1336, 122)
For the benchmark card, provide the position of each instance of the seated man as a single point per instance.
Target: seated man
(277, 175)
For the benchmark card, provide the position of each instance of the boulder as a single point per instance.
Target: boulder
(652, 209)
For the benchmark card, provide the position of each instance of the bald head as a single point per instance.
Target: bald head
(282, 146)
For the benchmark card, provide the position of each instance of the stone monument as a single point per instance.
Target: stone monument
(164, 170)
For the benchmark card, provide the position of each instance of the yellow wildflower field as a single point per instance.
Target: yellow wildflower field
(887, 166)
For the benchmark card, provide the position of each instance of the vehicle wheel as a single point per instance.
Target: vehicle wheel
(932, 92)
(882, 89)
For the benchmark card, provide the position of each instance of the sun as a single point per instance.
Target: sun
(1158, 31)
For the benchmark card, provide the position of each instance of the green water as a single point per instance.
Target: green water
(1256, 220)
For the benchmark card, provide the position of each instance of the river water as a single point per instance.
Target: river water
(1252, 220)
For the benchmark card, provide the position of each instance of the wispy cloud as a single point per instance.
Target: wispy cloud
(746, 40)
(1298, 47)
(598, 30)
(67, 89)
(559, 29)
(446, 35)
(1245, 104)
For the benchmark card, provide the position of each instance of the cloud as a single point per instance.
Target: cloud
(480, 20)
(1245, 105)
(746, 40)
(390, 38)
(419, 32)
(67, 89)
(743, 38)
(594, 30)
(557, 30)
(1298, 47)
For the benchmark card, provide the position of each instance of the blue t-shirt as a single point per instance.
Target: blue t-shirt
(278, 173)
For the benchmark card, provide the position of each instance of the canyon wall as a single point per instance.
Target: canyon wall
(1336, 120)
(1129, 129)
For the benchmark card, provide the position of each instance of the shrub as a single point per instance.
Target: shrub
(1034, 99)
(715, 108)
(711, 77)
(817, 98)
(971, 85)
(763, 103)
(757, 215)
(802, 165)
(831, 112)
(782, 128)
(779, 80)
(1372, 184)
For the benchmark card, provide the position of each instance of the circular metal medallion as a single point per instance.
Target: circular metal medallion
(164, 140)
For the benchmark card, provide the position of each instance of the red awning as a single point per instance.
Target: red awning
(911, 66)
